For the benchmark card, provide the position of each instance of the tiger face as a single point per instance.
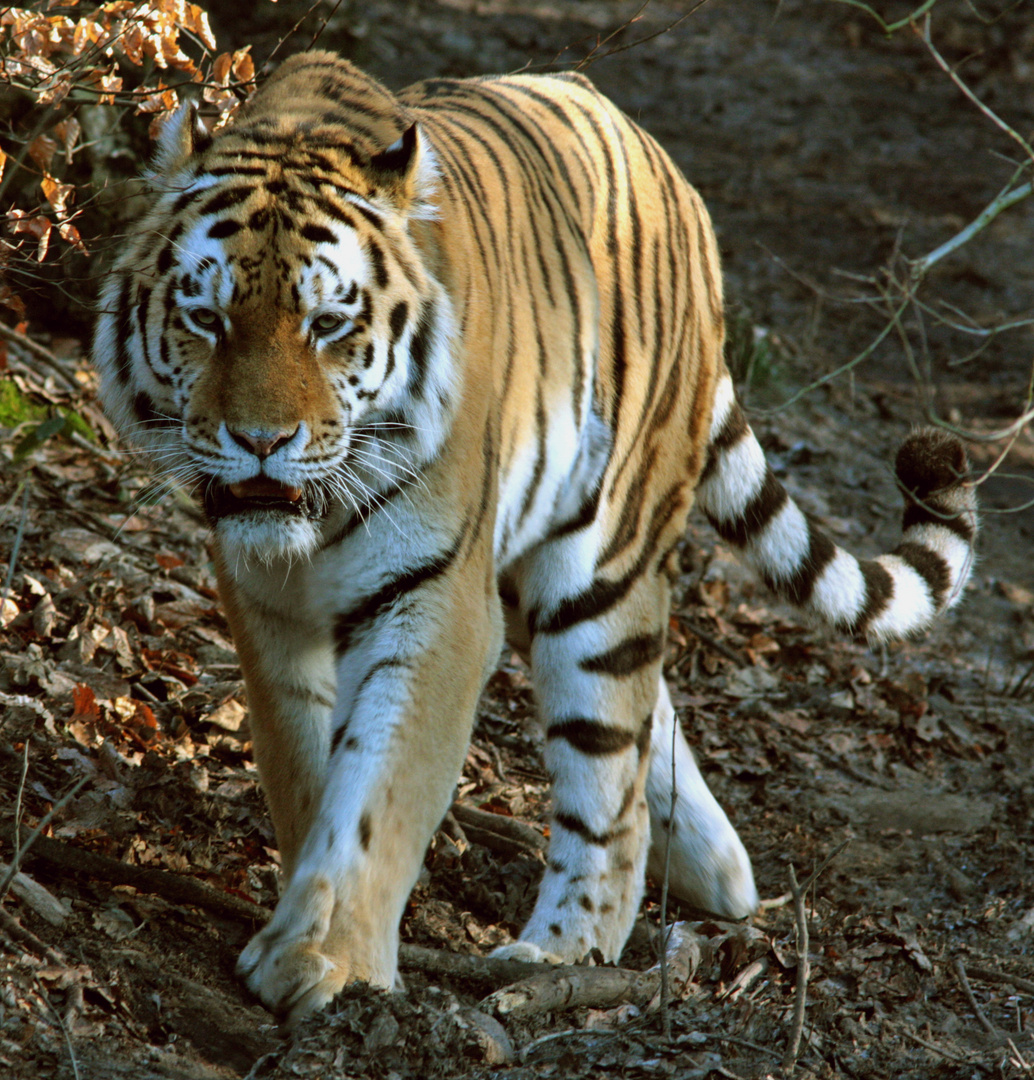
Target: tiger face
(287, 372)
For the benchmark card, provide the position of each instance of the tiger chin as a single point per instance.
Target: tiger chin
(445, 368)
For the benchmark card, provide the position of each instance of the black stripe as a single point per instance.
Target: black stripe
(143, 406)
(642, 739)
(744, 528)
(240, 170)
(317, 234)
(733, 430)
(585, 514)
(627, 657)
(164, 260)
(225, 199)
(624, 532)
(930, 566)
(603, 594)
(380, 269)
(932, 513)
(539, 468)
(879, 590)
(575, 824)
(799, 588)
(592, 737)
(222, 229)
(351, 622)
(419, 347)
(335, 739)
(361, 516)
(381, 665)
(365, 830)
(124, 327)
(397, 320)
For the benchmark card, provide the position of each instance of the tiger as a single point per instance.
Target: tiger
(444, 368)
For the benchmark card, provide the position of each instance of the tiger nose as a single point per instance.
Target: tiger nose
(261, 442)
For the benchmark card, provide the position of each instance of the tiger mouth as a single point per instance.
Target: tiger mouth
(259, 494)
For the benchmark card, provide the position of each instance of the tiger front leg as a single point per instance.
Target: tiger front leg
(596, 684)
(410, 671)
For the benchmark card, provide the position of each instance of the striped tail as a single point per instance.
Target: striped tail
(881, 599)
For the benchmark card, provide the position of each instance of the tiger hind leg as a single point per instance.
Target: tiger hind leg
(706, 863)
(596, 658)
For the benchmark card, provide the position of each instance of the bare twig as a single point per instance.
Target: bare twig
(61, 1024)
(570, 987)
(43, 355)
(952, 74)
(803, 971)
(886, 27)
(1007, 197)
(909, 1034)
(989, 975)
(712, 642)
(22, 849)
(665, 1012)
(592, 57)
(803, 965)
(16, 547)
(18, 814)
(26, 937)
(960, 971)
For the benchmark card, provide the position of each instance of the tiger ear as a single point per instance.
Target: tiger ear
(406, 172)
(182, 136)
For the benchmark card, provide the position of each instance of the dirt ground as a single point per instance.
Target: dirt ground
(822, 149)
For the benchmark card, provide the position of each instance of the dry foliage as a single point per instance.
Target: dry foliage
(57, 58)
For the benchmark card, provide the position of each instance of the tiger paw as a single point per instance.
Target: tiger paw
(291, 978)
(526, 951)
(309, 951)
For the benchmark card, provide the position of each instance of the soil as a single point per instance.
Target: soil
(826, 153)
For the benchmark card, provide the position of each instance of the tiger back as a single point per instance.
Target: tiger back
(440, 364)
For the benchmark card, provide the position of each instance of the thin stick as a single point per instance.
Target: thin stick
(800, 999)
(26, 937)
(18, 809)
(709, 639)
(803, 971)
(937, 1049)
(61, 1024)
(16, 547)
(960, 971)
(21, 850)
(988, 975)
(45, 356)
(665, 1012)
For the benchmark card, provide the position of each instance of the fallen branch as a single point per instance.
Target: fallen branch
(480, 971)
(500, 834)
(947, 1054)
(27, 938)
(570, 987)
(989, 975)
(713, 642)
(170, 886)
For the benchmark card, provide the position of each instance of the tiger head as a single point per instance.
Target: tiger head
(273, 336)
